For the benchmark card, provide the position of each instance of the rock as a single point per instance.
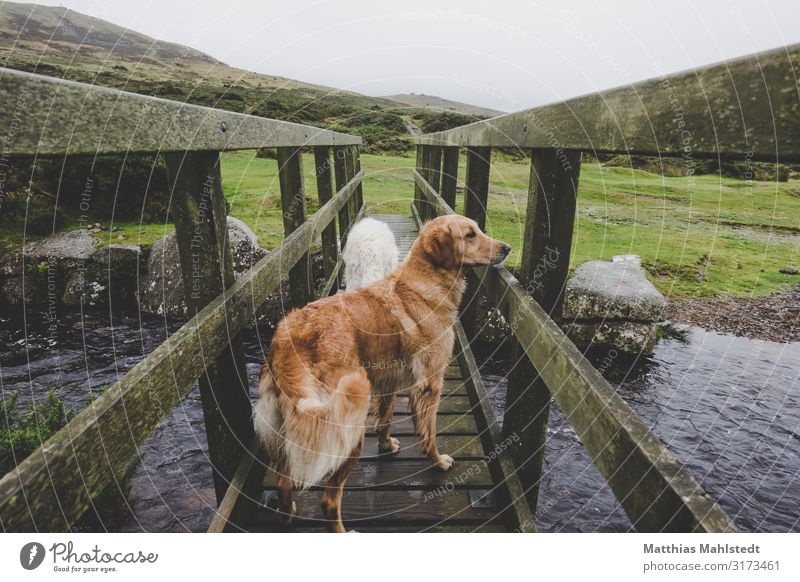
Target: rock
(109, 278)
(616, 289)
(789, 271)
(161, 288)
(611, 304)
(68, 269)
(630, 337)
(36, 274)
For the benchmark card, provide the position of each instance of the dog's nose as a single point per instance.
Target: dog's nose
(505, 249)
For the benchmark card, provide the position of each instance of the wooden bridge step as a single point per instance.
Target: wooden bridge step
(460, 447)
(402, 425)
(449, 404)
(416, 474)
(386, 509)
(467, 528)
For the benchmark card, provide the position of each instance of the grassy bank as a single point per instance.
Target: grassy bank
(698, 236)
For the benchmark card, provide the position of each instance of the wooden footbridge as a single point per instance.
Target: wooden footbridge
(747, 109)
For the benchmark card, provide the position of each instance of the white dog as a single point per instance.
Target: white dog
(369, 254)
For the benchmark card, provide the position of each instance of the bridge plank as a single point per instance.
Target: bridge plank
(387, 509)
(413, 474)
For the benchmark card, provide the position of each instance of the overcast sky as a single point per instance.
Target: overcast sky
(504, 54)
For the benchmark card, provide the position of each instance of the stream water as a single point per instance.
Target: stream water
(727, 407)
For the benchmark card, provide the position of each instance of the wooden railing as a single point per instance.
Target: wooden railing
(53, 487)
(746, 108)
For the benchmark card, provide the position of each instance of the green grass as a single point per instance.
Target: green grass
(698, 236)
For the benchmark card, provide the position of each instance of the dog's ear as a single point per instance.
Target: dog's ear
(438, 245)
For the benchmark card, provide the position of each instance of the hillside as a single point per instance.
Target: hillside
(63, 43)
(421, 101)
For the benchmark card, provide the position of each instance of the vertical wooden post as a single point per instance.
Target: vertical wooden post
(352, 202)
(431, 170)
(356, 170)
(201, 229)
(549, 222)
(449, 182)
(342, 178)
(418, 195)
(330, 250)
(476, 195)
(293, 205)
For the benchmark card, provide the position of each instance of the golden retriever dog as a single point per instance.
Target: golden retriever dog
(328, 358)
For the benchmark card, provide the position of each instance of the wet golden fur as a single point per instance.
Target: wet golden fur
(393, 335)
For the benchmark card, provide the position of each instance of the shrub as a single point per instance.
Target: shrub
(21, 433)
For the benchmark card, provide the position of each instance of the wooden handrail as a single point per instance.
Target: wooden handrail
(54, 486)
(746, 106)
(58, 117)
(655, 491)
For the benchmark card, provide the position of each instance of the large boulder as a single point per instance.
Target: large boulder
(611, 304)
(35, 274)
(161, 287)
(108, 278)
(70, 269)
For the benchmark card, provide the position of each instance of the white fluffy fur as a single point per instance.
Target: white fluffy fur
(319, 445)
(370, 253)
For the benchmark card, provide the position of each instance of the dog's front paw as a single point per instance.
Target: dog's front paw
(444, 462)
(287, 517)
(390, 446)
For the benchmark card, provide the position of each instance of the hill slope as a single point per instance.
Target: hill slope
(441, 104)
(63, 43)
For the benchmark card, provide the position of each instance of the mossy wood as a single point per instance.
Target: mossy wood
(549, 221)
(201, 229)
(293, 208)
(745, 105)
(324, 174)
(59, 117)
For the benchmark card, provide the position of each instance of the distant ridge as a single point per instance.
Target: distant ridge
(440, 104)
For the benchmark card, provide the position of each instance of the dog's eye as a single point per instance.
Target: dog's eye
(472, 234)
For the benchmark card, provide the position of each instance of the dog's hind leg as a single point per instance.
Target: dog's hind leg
(286, 505)
(424, 403)
(386, 443)
(334, 488)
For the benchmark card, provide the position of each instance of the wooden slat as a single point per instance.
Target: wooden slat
(293, 210)
(449, 180)
(65, 117)
(745, 105)
(387, 508)
(477, 527)
(402, 425)
(460, 447)
(330, 246)
(410, 475)
(449, 404)
(84, 455)
(342, 176)
(655, 491)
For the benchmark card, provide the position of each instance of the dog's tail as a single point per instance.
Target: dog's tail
(309, 438)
